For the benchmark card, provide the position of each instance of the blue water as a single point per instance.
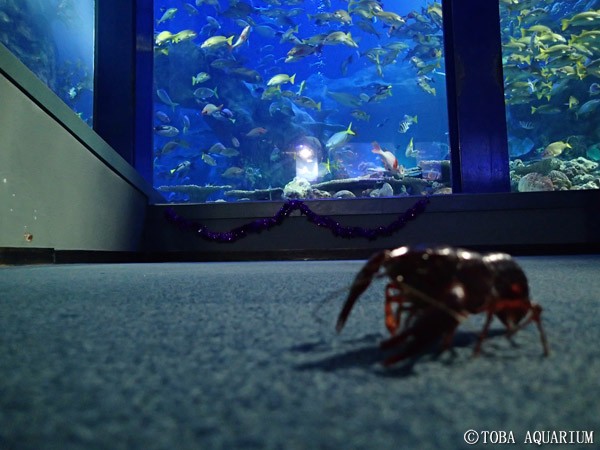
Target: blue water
(55, 40)
(547, 86)
(268, 160)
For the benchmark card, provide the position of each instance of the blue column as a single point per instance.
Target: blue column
(123, 80)
(478, 136)
(144, 78)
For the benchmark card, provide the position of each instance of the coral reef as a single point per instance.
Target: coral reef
(535, 182)
(297, 188)
(554, 174)
(256, 194)
(196, 193)
(384, 191)
(344, 194)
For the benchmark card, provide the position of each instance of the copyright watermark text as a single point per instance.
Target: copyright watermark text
(537, 437)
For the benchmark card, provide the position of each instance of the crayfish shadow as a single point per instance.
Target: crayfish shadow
(367, 354)
(364, 357)
(357, 357)
(372, 355)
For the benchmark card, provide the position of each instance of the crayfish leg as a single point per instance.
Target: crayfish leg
(543, 338)
(393, 316)
(422, 335)
(361, 283)
(447, 340)
(395, 341)
(483, 334)
(413, 348)
(529, 311)
(536, 316)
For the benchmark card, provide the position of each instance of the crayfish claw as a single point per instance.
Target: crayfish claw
(361, 282)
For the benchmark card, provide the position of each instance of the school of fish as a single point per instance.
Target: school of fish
(551, 66)
(373, 38)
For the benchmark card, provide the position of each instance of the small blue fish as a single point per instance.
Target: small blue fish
(163, 117)
(209, 159)
(519, 147)
(166, 130)
(382, 123)
(164, 97)
(186, 123)
(588, 107)
(181, 169)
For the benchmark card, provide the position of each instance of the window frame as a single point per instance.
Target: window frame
(474, 81)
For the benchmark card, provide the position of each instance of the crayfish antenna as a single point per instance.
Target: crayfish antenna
(328, 299)
(361, 283)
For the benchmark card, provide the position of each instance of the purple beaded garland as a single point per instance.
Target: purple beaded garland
(288, 207)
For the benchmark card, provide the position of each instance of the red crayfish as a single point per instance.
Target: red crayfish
(432, 290)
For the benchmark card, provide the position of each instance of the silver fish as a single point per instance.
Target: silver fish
(166, 130)
(164, 97)
(209, 159)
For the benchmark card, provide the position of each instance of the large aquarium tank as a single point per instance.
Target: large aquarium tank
(55, 40)
(280, 99)
(551, 65)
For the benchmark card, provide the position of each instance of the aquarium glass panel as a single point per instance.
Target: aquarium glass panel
(280, 99)
(55, 40)
(551, 62)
